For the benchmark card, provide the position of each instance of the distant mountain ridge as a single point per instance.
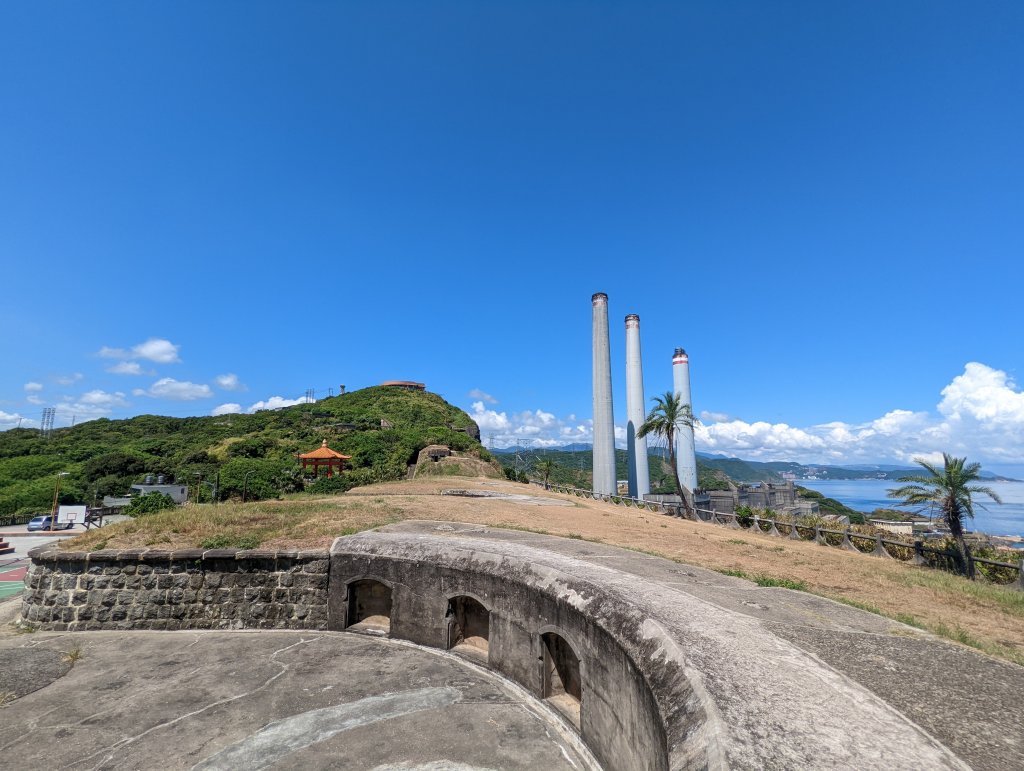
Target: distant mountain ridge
(750, 471)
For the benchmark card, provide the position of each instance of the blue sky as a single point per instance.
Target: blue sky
(820, 201)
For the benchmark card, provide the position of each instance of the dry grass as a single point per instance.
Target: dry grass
(987, 617)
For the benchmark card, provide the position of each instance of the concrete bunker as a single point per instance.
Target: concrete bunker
(562, 683)
(469, 627)
(369, 607)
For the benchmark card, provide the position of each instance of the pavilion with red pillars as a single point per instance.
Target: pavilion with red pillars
(326, 457)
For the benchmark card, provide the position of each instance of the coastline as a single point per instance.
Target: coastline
(999, 521)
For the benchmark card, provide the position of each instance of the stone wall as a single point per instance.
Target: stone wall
(186, 589)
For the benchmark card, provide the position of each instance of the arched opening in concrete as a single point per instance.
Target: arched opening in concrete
(469, 627)
(369, 607)
(563, 686)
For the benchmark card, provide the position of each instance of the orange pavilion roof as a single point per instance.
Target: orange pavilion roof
(322, 452)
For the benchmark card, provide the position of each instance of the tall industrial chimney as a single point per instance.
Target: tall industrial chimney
(686, 453)
(604, 424)
(636, 449)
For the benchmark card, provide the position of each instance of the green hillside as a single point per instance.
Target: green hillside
(576, 468)
(103, 457)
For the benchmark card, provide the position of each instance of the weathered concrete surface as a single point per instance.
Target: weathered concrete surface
(799, 670)
(272, 699)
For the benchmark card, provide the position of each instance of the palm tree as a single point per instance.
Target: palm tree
(950, 490)
(544, 467)
(666, 417)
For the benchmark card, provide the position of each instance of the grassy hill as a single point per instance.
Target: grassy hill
(103, 457)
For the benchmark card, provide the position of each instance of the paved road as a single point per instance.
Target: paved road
(273, 700)
(12, 566)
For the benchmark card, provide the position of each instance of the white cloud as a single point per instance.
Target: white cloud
(980, 415)
(98, 398)
(714, 417)
(33, 399)
(984, 394)
(13, 419)
(91, 404)
(489, 420)
(66, 380)
(229, 382)
(226, 409)
(535, 428)
(483, 396)
(128, 368)
(177, 390)
(155, 349)
(274, 403)
(33, 387)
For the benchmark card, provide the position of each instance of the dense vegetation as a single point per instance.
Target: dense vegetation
(575, 468)
(103, 457)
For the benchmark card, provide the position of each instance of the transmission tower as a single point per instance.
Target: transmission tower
(520, 462)
(46, 427)
(309, 396)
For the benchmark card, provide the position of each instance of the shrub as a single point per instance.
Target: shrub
(150, 503)
(331, 485)
(744, 516)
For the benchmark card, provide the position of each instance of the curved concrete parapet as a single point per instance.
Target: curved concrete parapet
(664, 680)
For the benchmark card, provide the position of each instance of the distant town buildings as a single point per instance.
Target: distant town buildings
(780, 498)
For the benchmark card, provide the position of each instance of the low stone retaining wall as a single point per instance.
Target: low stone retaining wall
(186, 589)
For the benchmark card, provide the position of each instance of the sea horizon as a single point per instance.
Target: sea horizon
(866, 495)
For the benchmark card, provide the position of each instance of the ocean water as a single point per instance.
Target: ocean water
(870, 494)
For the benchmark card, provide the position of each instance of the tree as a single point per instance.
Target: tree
(951, 491)
(664, 420)
(544, 467)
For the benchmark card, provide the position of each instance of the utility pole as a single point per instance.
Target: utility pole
(56, 493)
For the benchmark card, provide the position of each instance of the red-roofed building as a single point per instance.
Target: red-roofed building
(326, 457)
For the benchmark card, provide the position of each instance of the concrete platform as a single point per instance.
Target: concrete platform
(968, 702)
(266, 699)
(339, 700)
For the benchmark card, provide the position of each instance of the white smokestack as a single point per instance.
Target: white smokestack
(686, 453)
(636, 449)
(604, 424)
